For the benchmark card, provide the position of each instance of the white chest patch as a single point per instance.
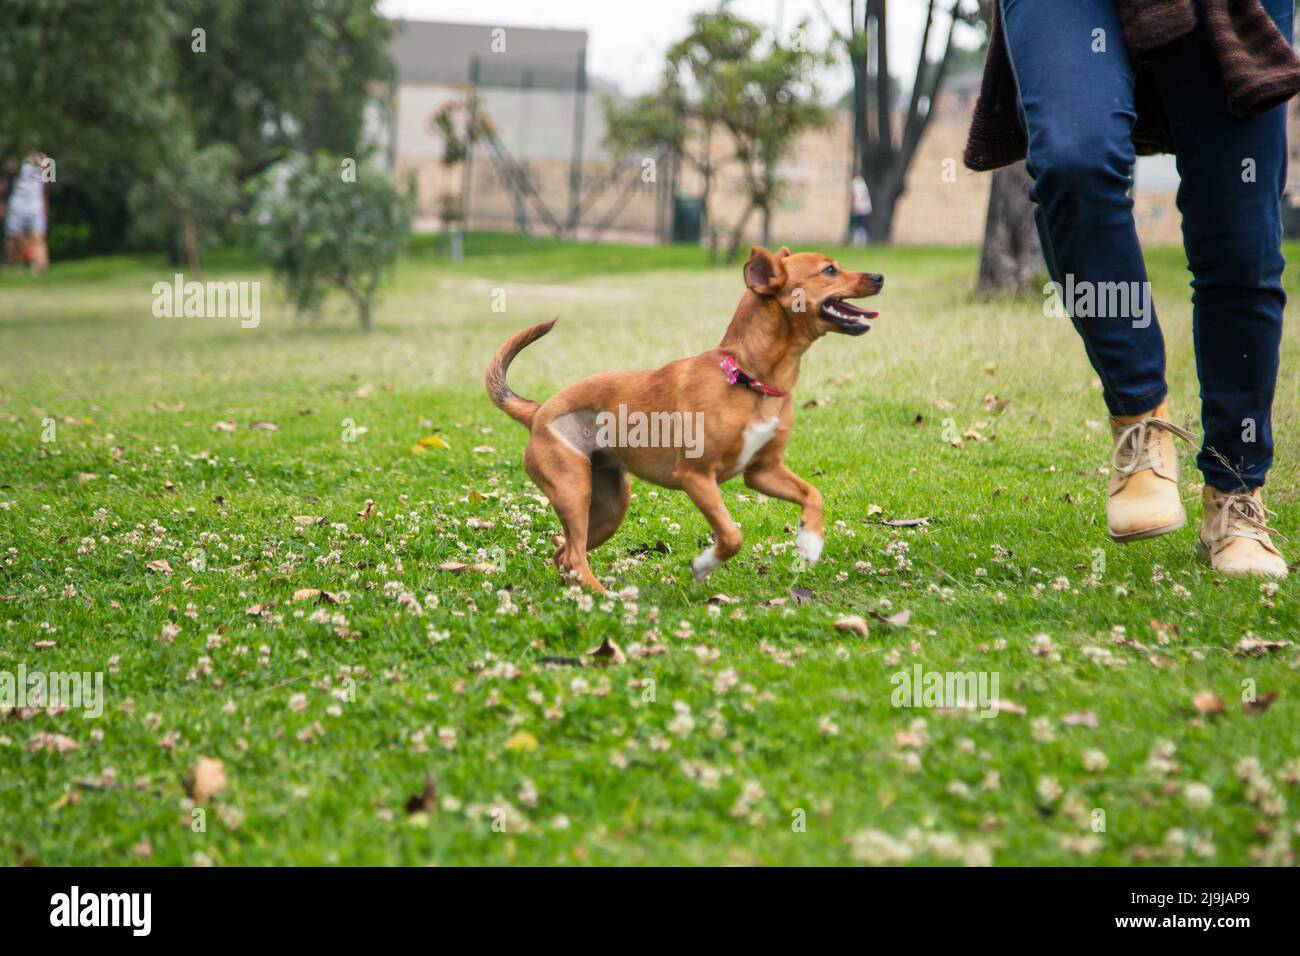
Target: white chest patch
(757, 434)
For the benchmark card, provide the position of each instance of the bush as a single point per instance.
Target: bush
(326, 223)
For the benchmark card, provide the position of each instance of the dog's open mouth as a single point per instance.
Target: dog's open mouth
(846, 317)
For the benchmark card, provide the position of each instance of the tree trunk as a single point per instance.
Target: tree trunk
(191, 241)
(738, 233)
(1011, 255)
(880, 224)
(706, 173)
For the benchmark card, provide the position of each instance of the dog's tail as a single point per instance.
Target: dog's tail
(520, 409)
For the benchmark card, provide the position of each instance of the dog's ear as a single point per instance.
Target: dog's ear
(764, 272)
(783, 252)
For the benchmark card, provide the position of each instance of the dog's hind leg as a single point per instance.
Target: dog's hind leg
(775, 480)
(564, 476)
(703, 490)
(611, 491)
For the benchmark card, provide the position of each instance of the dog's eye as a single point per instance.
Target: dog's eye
(830, 271)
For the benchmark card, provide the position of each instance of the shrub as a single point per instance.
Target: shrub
(326, 223)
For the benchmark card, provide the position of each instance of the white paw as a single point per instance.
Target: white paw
(704, 565)
(809, 545)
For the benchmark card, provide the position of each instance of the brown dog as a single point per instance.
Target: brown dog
(694, 423)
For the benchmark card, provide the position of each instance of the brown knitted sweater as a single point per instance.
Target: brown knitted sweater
(1260, 70)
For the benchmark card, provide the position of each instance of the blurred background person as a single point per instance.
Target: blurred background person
(25, 215)
(859, 212)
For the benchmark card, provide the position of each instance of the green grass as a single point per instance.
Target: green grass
(789, 718)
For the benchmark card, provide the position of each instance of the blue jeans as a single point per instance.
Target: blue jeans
(1078, 109)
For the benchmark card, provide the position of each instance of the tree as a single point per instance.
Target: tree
(198, 192)
(460, 124)
(135, 96)
(325, 223)
(695, 62)
(293, 75)
(765, 102)
(1011, 255)
(724, 76)
(682, 114)
(86, 82)
(883, 157)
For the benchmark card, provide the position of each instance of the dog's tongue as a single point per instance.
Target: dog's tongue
(855, 310)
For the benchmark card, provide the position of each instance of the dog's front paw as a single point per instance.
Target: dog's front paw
(705, 564)
(809, 545)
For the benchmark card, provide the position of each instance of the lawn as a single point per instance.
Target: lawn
(743, 727)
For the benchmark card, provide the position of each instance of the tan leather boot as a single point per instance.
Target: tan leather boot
(1234, 538)
(1144, 500)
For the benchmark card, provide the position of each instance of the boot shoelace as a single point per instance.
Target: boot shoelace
(1133, 449)
(1242, 516)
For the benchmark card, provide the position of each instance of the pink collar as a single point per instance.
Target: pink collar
(737, 377)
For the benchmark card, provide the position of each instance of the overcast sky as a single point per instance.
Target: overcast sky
(627, 40)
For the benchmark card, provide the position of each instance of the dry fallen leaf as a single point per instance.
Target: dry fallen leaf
(457, 566)
(205, 779)
(432, 441)
(562, 661)
(367, 510)
(521, 741)
(44, 740)
(1208, 702)
(226, 426)
(897, 620)
(1008, 707)
(723, 599)
(607, 653)
(904, 739)
(1257, 646)
(322, 597)
(800, 595)
(906, 522)
(307, 520)
(264, 426)
(852, 622)
(1084, 718)
(1260, 704)
(253, 610)
(426, 801)
(159, 565)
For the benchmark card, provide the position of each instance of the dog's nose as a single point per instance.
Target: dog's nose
(877, 278)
